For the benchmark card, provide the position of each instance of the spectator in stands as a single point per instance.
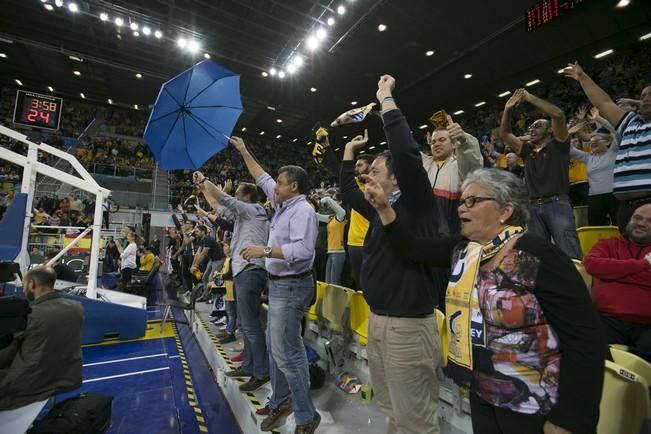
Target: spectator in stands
(250, 227)
(210, 250)
(111, 255)
(289, 259)
(621, 289)
(513, 165)
(455, 154)
(223, 278)
(336, 224)
(63, 271)
(75, 203)
(632, 182)
(44, 359)
(128, 259)
(358, 224)
(147, 259)
(546, 163)
(404, 347)
(578, 175)
(522, 330)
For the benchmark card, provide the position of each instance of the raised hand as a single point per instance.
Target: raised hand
(457, 135)
(237, 143)
(374, 194)
(514, 100)
(573, 70)
(578, 126)
(581, 113)
(593, 116)
(198, 178)
(228, 186)
(358, 142)
(385, 87)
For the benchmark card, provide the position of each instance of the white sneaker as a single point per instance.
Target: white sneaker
(221, 321)
(222, 327)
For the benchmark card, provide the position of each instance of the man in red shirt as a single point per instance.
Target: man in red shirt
(621, 290)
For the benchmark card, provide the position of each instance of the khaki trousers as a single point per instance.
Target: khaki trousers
(404, 356)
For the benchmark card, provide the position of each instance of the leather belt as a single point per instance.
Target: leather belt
(290, 276)
(548, 199)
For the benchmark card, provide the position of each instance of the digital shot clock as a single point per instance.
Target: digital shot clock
(37, 110)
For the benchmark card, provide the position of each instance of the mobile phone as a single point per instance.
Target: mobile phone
(439, 119)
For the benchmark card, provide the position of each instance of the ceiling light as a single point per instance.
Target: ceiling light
(273, 72)
(297, 60)
(604, 54)
(291, 68)
(429, 53)
(341, 10)
(383, 143)
(467, 76)
(345, 137)
(262, 133)
(206, 56)
(480, 103)
(313, 89)
(645, 37)
(331, 21)
(48, 7)
(295, 140)
(562, 70)
(505, 93)
(146, 31)
(533, 82)
(353, 103)
(3, 55)
(422, 127)
(158, 34)
(243, 129)
(136, 34)
(133, 26)
(181, 42)
(110, 101)
(281, 74)
(336, 149)
(75, 58)
(50, 88)
(77, 73)
(135, 106)
(58, 3)
(458, 112)
(312, 43)
(138, 75)
(72, 7)
(381, 27)
(103, 16)
(278, 136)
(82, 95)
(18, 82)
(279, 121)
(371, 148)
(119, 21)
(272, 108)
(193, 47)
(265, 74)
(623, 3)
(321, 34)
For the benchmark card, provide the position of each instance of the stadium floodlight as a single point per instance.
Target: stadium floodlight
(158, 34)
(312, 43)
(458, 112)
(103, 16)
(381, 27)
(110, 101)
(133, 26)
(532, 83)
(18, 82)
(313, 89)
(77, 73)
(135, 106)
(146, 31)
(119, 22)
(331, 21)
(138, 75)
(193, 47)
(206, 56)
(281, 74)
(278, 136)
(58, 3)
(321, 34)
(82, 95)
(422, 127)
(297, 60)
(273, 72)
(291, 68)
(341, 9)
(505, 93)
(279, 121)
(480, 103)
(265, 74)
(181, 42)
(50, 88)
(72, 7)
(429, 53)
(467, 76)
(604, 54)
(48, 7)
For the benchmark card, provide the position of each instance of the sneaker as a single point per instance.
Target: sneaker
(221, 321)
(239, 358)
(263, 411)
(222, 328)
(275, 414)
(226, 339)
(237, 373)
(310, 427)
(253, 384)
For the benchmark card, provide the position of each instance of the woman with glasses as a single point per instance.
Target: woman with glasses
(523, 333)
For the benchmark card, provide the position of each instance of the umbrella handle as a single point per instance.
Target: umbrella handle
(228, 138)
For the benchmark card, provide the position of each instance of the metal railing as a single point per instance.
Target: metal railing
(121, 171)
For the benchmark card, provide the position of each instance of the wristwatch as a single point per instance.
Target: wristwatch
(267, 252)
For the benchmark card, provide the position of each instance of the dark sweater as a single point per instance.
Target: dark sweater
(566, 304)
(393, 285)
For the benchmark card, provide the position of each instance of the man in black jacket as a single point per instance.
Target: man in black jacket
(404, 346)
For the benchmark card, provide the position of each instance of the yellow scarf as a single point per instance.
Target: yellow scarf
(463, 315)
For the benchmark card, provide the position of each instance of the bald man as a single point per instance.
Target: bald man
(45, 358)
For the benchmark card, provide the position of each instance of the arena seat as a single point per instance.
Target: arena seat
(589, 235)
(587, 278)
(359, 313)
(335, 304)
(313, 312)
(624, 403)
(632, 362)
(12, 228)
(443, 332)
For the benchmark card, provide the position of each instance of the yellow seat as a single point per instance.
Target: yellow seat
(312, 313)
(584, 274)
(443, 331)
(589, 235)
(359, 314)
(624, 402)
(335, 302)
(632, 362)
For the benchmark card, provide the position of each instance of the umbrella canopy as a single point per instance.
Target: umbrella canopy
(194, 116)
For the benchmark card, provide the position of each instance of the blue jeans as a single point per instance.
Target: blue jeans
(249, 285)
(334, 267)
(231, 315)
(556, 220)
(288, 299)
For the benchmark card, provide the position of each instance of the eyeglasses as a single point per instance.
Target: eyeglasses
(537, 125)
(471, 201)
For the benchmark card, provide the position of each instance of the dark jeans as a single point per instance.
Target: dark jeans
(231, 316)
(579, 193)
(186, 276)
(636, 336)
(488, 419)
(355, 254)
(249, 285)
(626, 210)
(556, 220)
(602, 209)
(125, 276)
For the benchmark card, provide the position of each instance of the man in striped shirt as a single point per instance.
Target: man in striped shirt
(632, 184)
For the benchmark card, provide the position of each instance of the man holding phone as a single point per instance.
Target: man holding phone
(455, 154)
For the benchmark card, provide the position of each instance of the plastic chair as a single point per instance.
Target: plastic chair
(632, 362)
(12, 228)
(624, 402)
(335, 303)
(589, 235)
(443, 332)
(312, 313)
(359, 314)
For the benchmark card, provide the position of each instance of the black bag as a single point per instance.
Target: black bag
(87, 413)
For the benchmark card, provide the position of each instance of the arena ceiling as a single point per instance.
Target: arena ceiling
(486, 39)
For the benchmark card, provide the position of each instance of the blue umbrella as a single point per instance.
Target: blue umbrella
(194, 116)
